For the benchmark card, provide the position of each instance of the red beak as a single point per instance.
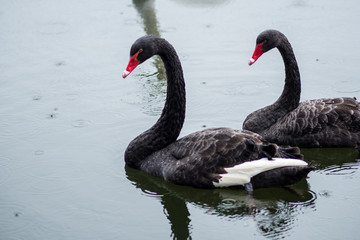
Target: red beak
(133, 63)
(257, 53)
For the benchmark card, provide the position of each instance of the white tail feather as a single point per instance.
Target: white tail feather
(242, 173)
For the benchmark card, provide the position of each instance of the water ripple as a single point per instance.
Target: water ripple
(54, 28)
(248, 88)
(80, 123)
(346, 87)
(14, 126)
(48, 185)
(130, 98)
(43, 177)
(228, 202)
(308, 201)
(150, 193)
(344, 169)
(72, 96)
(37, 97)
(5, 171)
(39, 152)
(14, 217)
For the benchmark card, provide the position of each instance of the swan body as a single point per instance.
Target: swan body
(203, 158)
(326, 122)
(207, 158)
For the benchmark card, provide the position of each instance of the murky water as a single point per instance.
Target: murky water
(66, 117)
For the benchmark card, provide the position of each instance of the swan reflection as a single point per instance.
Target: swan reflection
(154, 83)
(274, 210)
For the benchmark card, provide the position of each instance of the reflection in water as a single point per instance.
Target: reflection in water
(273, 210)
(177, 212)
(156, 89)
(155, 83)
(146, 10)
(333, 161)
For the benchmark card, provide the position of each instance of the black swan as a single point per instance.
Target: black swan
(217, 157)
(327, 122)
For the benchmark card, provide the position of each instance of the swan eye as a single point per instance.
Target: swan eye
(137, 54)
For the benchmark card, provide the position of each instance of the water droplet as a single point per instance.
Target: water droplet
(18, 217)
(52, 115)
(61, 63)
(36, 97)
(325, 193)
(39, 152)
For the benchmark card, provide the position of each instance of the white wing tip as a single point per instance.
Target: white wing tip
(232, 179)
(242, 173)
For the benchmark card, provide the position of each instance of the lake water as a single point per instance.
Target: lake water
(66, 117)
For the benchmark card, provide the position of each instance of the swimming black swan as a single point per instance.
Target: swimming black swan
(217, 157)
(327, 122)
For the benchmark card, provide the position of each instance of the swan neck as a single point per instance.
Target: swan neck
(290, 96)
(167, 129)
(261, 120)
(173, 113)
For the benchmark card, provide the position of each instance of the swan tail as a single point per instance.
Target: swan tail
(265, 173)
(289, 152)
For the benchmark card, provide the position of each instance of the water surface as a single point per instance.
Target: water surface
(66, 117)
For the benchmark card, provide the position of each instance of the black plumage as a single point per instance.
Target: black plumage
(327, 122)
(199, 158)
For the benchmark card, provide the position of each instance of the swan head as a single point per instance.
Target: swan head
(141, 50)
(266, 41)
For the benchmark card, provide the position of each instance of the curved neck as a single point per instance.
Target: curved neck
(290, 97)
(261, 120)
(168, 127)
